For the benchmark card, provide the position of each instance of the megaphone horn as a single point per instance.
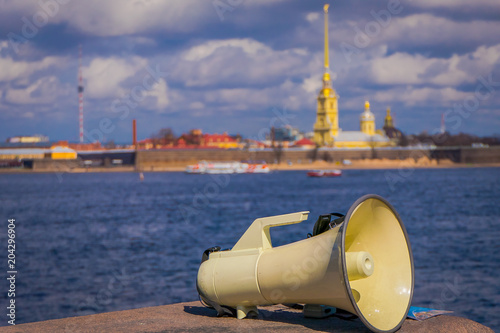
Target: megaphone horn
(361, 263)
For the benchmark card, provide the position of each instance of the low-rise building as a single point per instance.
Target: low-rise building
(59, 151)
(28, 139)
(305, 144)
(17, 154)
(85, 146)
(219, 140)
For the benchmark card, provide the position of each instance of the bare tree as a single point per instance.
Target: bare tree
(372, 143)
(164, 136)
(278, 152)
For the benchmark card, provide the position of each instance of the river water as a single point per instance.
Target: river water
(99, 242)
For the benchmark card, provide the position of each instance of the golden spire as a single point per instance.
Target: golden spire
(325, 8)
(388, 119)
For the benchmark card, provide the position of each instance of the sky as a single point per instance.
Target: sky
(242, 66)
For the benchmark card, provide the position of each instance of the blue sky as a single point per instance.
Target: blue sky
(241, 66)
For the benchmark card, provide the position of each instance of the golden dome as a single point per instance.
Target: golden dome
(367, 115)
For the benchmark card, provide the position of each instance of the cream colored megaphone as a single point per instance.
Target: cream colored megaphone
(361, 263)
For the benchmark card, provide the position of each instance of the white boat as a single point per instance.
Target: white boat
(325, 173)
(258, 168)
(226, 168)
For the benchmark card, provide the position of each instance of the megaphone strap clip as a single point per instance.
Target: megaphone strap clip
(325, 223)
(337, 221)
(207, 252)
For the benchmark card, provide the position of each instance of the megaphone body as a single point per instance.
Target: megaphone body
(363, 265)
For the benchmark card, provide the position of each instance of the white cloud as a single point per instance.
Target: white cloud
(262, 2)
(196, 105)
(161, 93)
(15, 70)
(121, 17)
(455, 3)
(312, 17)
(238, 62)
(3, 45)
(43, 91)
(231, 101)
(104, 76)
(403, 68)
(410, 96)
(118, 17)
(312, 84)
(112, 17)
(425, 29)
(399, 68)
(248, 46)
(28, 115)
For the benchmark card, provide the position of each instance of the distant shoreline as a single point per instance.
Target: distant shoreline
(377, 164)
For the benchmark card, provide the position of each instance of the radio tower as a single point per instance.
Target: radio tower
(80, 91)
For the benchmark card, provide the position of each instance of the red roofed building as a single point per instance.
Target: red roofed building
(83, 146)
(219, 141)
(146, 144)
(305, 143)
(190, 140)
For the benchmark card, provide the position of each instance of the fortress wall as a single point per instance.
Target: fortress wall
(182, 157)
(480, 155)
(177, 157)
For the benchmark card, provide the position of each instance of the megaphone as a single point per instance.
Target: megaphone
(361, 263)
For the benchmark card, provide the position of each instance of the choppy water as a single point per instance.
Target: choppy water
(89, 243)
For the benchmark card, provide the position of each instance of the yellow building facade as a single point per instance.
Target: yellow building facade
(62, 153)
(327, 132)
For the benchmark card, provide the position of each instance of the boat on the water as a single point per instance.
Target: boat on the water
(257, 168)
(205, 167)
(325, 173)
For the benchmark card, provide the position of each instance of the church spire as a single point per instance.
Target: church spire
(326, 127)
(325, 8)
(388, 119)
(327, 83)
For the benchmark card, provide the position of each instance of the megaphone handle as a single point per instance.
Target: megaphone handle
(258, 236)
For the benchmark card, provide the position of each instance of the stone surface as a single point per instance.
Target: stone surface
(193, 317)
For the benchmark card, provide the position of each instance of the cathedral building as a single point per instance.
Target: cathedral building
(327, 132)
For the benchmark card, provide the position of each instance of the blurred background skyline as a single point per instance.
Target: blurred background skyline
(235, 65)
